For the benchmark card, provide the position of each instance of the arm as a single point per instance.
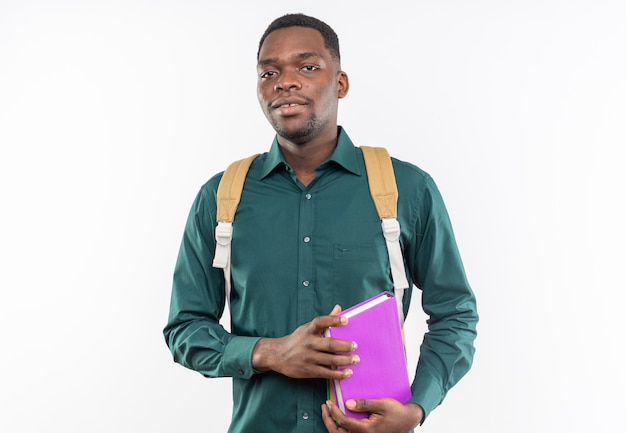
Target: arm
(435, 265)
(193, 332)
(198, 341)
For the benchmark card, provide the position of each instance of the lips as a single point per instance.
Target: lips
(287, 107)
(288, 102)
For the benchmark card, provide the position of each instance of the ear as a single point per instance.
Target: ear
(343, 84)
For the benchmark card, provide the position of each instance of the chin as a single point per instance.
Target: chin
(297, 135)
(294, 136)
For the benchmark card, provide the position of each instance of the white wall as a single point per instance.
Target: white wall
(112, 114)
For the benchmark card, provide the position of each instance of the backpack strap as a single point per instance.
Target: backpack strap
(228, 196)
(384, 191)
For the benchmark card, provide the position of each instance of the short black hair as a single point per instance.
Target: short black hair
(331, 41)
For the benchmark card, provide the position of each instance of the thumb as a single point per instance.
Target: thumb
(362, 405)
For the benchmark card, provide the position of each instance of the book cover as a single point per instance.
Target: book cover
(382, 372)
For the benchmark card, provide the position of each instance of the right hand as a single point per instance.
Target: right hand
(306, 353)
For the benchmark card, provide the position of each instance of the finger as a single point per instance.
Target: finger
(331, 360)
(323, 372)
(324, 366)
(320, 323)
(336, 310)
(334, 345)
(340, 420)
(330, 424)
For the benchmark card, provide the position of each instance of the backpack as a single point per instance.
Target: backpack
(382, 185)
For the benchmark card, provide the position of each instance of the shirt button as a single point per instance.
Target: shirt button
(305, 415)
(307, 239)
(308, 196)
(305, 283)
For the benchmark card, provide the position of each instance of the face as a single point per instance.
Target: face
(299, 84)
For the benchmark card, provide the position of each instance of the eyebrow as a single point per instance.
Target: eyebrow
(297, 56)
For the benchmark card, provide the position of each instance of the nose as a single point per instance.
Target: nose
(287, 81)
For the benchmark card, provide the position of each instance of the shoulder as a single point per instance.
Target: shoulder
(409, 175)
(417, 190)
(209, 188)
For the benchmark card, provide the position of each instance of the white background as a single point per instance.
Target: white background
(112, 114)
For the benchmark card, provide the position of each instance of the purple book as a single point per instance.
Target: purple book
(382, 373)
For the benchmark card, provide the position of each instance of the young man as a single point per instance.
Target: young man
(307, 239)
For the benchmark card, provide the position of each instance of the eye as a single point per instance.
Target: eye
(268, 74)
(309, 68)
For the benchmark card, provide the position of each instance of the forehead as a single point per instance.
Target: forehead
(290, 41)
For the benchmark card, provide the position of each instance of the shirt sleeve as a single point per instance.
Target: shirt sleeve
(435, 265)
(193, 333)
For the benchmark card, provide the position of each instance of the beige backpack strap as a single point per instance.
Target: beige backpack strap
(228, 196)
(382, 184)
(230, 188)
(382, 181)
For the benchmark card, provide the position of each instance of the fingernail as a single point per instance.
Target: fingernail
(351, 404)
(347, 372)
(356, 359)
(343, 320)
(354, 346)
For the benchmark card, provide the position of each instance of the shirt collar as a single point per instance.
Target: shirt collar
(344, 155)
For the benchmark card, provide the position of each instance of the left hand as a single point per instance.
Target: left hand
(386, 416)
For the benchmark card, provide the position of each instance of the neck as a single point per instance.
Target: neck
(304, 158)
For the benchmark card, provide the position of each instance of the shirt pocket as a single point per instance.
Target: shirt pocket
(356, 252)
(360, 272)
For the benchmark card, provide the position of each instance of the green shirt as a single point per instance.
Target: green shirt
(296, 252)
